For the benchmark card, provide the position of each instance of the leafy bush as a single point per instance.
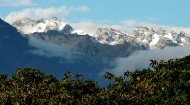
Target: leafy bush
(167, 82)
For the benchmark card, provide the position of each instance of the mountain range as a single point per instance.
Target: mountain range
(143, 36)
(56, 46)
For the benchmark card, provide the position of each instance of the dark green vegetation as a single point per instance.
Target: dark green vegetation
(167, 83)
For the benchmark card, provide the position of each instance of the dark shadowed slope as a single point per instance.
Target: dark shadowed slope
(13, 47)
(90, 56)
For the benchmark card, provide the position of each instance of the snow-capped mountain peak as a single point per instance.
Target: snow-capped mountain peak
(159, 38)
(49, 24)
(29, 26)
(110, 36)
(144, 36)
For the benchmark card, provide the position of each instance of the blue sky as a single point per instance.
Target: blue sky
(173, 13)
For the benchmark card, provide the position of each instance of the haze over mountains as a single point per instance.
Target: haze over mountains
(56, 46)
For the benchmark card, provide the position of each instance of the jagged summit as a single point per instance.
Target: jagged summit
(110, 36)
(144, 36)
(29, 26)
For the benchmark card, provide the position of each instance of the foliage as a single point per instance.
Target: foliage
(168, 82)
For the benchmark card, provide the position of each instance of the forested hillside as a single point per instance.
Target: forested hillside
(166, 82)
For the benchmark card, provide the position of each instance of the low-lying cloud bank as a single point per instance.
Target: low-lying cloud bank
(137, 60)
(53, 50)
(141, 59)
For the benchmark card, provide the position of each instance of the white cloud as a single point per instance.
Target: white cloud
(140, 59)
(87, 26)
(92, 26)
(53, 50)
(126, 26)
(37, 13)
(131, 24)
(81, 9)
(152, 19)
(15, 2)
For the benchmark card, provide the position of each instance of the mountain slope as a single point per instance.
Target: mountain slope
(15, 51)
(85, 49)
(12, 45)
(57, 52)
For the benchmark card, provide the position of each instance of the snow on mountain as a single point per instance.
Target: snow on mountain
(79, 32)
(160, 38)
(144, 36)
(155, 40)
(110, 36)
(28, 26)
